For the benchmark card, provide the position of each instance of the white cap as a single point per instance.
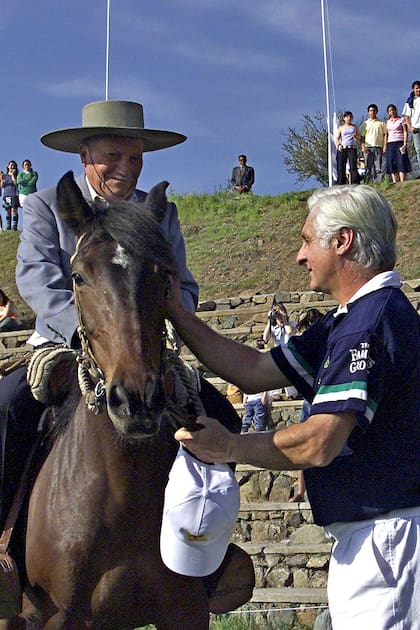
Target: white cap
(200, 510)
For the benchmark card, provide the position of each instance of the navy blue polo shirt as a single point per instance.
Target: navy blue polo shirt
(366, 361)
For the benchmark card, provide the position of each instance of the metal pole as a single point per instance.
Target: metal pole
(108, 10)
(330, 174)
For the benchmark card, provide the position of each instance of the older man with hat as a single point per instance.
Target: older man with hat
(111, 143)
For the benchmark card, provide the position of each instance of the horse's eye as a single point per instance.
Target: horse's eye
(77, 279)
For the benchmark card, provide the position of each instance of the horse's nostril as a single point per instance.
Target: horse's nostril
(118, 400)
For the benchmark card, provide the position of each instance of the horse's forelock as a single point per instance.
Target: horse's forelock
(136, 232)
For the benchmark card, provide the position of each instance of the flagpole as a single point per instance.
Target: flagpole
(327, 97)
(108, 11)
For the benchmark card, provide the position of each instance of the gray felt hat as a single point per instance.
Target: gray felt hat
(116, 118)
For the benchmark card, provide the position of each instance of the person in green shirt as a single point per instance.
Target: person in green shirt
(26, 180)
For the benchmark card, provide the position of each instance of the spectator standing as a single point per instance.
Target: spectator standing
(397, 161)
(279, 330)
(411, 112)
(346, 141)
(8, 182)
(256, 411)
(26, 180)
(373, 134)
(243, 176)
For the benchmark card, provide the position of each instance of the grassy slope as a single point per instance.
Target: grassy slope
(250, 243)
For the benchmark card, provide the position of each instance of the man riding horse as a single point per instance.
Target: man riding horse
(111, 143)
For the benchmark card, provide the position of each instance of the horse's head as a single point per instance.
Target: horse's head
(121, 270)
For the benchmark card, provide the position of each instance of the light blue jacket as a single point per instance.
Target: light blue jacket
(43, 274)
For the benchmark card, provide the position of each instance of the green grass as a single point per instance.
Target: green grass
(240, 621)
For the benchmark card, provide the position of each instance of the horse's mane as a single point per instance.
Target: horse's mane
(66, 400)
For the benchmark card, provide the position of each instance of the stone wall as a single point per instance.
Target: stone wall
(244, 317)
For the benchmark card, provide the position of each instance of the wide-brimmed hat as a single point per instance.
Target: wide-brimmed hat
(116, 118)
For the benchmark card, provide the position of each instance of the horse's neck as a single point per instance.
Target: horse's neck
(91, 441)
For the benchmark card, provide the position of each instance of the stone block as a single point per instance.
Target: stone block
(228, 322)
(297, 560)
(277, 577)
(260, 299)
(318, 562)
(273, 530)
(308, 297)
(210, 305)
(282, 296)
(309, 534)
(301, 579)
(281, 489)
(280, 619)
(250, 491)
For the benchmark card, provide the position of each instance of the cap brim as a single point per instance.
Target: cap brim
(69, 140)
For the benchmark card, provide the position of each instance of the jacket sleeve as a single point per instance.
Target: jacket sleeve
(172, 230)
(43, 274)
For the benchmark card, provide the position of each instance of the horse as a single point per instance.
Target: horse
(95, 508)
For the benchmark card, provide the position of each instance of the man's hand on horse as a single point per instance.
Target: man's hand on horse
(212, 444)
(174, 304)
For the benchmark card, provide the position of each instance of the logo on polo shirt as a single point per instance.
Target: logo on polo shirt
(359, 358)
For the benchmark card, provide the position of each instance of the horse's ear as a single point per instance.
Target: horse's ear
(73, 208)
(156, 201)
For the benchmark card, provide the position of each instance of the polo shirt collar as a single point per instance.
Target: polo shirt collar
(381, 280)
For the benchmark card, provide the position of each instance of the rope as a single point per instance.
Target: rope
(40, 367)
(187, 381)
(93, 394)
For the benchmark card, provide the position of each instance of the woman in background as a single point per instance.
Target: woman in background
(8, 182)
(345, 139)
(397, 162)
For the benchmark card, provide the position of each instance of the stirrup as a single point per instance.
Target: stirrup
(10, 591)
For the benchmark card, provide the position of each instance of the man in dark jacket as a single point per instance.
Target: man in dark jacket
(243, 176)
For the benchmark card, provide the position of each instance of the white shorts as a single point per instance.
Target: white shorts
(374, 574)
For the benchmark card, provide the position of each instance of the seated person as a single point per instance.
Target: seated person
(9, 317)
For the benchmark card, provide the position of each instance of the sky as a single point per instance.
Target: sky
(232, 76)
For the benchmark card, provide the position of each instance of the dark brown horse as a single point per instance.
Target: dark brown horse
(92, 544)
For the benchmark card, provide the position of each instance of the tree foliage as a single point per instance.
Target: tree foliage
(307, 150)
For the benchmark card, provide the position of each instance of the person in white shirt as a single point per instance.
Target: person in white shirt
(411, 111)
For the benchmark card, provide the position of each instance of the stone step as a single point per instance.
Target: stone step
(285, 548)
(13, 340)
(245, 311)
(273, 506)
(290, 595)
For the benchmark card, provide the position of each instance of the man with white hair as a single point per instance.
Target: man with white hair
(359, 366)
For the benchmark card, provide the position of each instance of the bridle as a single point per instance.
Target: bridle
(92, 381)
